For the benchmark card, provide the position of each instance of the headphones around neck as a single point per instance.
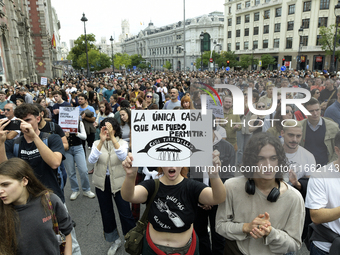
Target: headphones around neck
(273, 195)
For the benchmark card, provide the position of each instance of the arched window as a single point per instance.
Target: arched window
(206, 42)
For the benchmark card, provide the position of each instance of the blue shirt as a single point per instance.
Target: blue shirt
(108, 93)
(89, 108)
(333, 112)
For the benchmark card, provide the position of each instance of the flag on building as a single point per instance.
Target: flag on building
(54, 42)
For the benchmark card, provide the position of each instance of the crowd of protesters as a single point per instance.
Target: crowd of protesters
(261, 212)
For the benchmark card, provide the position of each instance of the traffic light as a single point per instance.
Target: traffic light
(228, 62)
(283, 61)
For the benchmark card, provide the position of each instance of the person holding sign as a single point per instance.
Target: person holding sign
(170, 229)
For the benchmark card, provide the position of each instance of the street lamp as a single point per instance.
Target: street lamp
(337, 14)
(113, 64)
(298, 59)
(215, 44)
(99, 48)
(154, 59)
(84, 19)
(201, 37)
(252, 58)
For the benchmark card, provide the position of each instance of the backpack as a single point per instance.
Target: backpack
(16, 147)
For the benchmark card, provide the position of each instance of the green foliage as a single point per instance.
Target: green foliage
(245, 61)
(98, 60)
(327, 40)
(138, 61)
(167, 65)
(80, 48)
(267, 59)
(122, 59)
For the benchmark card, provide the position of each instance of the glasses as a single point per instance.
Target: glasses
(7, 110)
(261, 106)
(317, 92)
(149, 96)
(288, 111)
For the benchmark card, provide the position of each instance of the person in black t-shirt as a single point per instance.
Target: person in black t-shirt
(172, 213)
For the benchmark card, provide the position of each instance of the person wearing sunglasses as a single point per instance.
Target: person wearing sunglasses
(9, 113)
(149, 100)
(315, 93)
(257, 121)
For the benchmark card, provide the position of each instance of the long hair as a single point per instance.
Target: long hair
(17, 169)
(108, 108)
(128, 112)
(253, 148)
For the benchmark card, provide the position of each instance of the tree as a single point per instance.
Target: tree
(97, 60)
(267, 60)
(80, 49)
(122, 59)
(245, 61)
(327, 40)
(225, 56)
(167, 65)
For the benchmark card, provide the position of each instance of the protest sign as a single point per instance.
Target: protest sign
(69, 119)
(215, 106)
(171, 138)
(43, 81)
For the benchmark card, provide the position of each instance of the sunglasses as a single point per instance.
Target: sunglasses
(7, 110)
(287, 111)
(149, 96)
(246, 94)
(261, 106)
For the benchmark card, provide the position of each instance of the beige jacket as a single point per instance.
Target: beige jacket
(108, 158)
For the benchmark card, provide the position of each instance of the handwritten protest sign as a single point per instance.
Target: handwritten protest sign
(171, 138)
(216, 107)
(43, 81)
(69, 119)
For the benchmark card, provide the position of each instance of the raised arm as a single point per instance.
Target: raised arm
(131, 193)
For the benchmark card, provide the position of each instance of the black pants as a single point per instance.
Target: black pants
(90, 140)
(200, 226)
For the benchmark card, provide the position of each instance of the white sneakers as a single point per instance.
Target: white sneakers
(114, 247)
(89, 194)
(75, 194)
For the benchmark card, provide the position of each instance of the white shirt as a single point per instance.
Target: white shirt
(323, 192)
(164, 91)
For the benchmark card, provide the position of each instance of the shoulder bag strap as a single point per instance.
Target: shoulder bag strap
(331, 95)
(146, 212)
(50, 208)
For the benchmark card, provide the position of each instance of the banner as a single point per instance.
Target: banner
(69, 119)
(216, 107)
(43, 81)
(171, 138)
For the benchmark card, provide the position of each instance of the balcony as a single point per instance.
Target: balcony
(259, 7)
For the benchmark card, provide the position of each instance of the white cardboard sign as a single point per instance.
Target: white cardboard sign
(171, 138)
(69, 119)
(43, 81)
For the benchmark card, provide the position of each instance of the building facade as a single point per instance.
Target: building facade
(16, 44)
(160, 44)
(272, 26)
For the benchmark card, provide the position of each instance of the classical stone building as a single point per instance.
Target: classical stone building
(160, 44)
(16, 44)
(272, 26)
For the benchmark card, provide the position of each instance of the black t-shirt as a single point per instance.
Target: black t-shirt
(30, 153)
(57, 129)
(55, 117)
(174, 206)
(325, 95)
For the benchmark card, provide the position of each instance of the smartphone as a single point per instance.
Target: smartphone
(13, 125)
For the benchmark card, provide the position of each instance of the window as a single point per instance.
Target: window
(267, 1)
(256, 30)
(266, 29)
(229, 10)
(323, 22)
(307, 6)
(238, 20)
(256, 16)
(324, 4)
(276, 43)
(238, 33)
(289, 42)
(304, 40)
(305, 23)
(278, 12)
(206, 42)
(237, 46)
(291, 9)
(290, 25)
(238, 7)
(247, 4)
(255, 45)
(277, 27)
(229, 22)
(247, 18)
(246, 32)
(229, 46)
(265, 44)
(246, 46)
(318, 37)
(266, 14)
(257, 2)
(229, 34)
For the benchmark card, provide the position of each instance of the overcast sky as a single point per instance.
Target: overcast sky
(105, 16)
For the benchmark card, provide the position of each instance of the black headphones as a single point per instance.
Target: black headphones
(273, 194)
